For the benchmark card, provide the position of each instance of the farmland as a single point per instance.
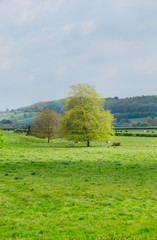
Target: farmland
(64, 190)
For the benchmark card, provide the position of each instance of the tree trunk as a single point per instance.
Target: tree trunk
(48, 139)
(88, 144)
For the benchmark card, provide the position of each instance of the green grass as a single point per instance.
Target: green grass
(64, 190)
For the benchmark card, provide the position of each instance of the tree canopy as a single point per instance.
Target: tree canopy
(84, 116)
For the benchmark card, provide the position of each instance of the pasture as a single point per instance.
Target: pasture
(137, 130)
(65, 190)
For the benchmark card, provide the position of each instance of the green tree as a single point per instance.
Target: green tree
(151, 121)
(144, 124)
(84, 116)
(1, 140)
(46, 125)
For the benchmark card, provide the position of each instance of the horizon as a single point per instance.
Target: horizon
(64, 98)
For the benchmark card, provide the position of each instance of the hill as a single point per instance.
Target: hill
(38, 107)
(133, 109)
(127, 111)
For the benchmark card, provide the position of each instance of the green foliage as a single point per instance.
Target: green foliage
(20, 130)
(151, 121)
(144, 124)
(135, 128)
(2, 141)
(133, 108)
(38, 107)
(135, 134)
(63, 190)
(143, 104)
(84, 117)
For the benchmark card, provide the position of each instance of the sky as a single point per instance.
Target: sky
(48, 45)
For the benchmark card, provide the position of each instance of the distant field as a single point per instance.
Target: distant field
(135, 120)
(19, 118)
(64, 190)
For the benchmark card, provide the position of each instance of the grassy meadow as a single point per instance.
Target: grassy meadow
(65, 190)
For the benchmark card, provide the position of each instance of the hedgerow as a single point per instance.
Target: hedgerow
(21, 130)
(135, 134)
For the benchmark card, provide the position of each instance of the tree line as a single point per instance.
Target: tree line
(133, 106)
(124, 110)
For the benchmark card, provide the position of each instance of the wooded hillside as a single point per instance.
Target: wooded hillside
(133, 110)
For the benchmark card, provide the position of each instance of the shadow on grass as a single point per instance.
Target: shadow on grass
(76, 169)
(42, 143)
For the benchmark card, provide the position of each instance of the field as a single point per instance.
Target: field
(19, 118)
(66, 191)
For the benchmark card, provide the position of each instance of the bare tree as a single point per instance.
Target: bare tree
(46, 125)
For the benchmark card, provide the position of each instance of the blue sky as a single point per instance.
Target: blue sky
(48, 45)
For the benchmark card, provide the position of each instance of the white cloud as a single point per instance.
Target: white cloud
(68, 28)
(87, 27)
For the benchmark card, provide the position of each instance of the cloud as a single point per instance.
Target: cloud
(68, 28)
(87, 27)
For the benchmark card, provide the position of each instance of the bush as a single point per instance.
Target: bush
(1, 140)
(124, 134)
(20, 130)
(116, 144)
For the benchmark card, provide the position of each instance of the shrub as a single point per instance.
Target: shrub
(116, 144)
(20, 130)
